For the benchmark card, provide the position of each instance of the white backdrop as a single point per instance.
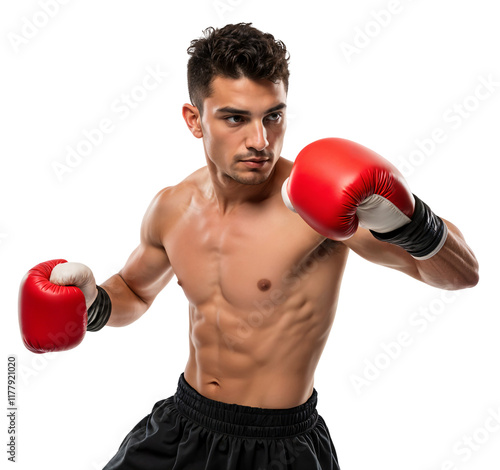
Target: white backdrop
(410, 376)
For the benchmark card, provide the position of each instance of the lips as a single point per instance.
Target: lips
(255, 162)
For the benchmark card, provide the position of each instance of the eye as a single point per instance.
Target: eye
(234, 119)
(274, 117)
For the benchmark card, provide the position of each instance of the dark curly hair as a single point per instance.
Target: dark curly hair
(234, 51)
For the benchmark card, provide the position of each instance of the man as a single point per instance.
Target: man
(246, 397)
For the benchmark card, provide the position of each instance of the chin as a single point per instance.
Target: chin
(252, 179)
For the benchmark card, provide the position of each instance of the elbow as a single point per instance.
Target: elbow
(472, 280)
(472, 277)
(465, 279)
(465, 283)
(457, 279)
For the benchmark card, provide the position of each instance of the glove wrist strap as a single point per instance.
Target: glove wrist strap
(99, 312)
(423, 237)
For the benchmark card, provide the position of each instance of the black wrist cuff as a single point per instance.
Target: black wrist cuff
(99, 312)
(423, 237)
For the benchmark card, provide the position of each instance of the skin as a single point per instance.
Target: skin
(262, 285)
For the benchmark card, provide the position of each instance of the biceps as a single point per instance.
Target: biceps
(147, 271)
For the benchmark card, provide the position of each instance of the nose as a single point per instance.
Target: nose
(257, 137)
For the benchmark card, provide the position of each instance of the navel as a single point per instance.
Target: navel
(264, 284)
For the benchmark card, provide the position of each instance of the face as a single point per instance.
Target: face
(243, 126)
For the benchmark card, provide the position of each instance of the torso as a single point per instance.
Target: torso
(262, 288)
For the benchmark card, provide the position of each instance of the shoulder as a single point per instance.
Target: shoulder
(171, 198)
(170, 202)
(284, 167)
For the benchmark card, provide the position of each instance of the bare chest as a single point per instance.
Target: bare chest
(243, 259)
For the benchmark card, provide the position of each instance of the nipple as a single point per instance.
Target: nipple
(264, 284)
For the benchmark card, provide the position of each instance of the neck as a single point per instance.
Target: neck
(229, 193)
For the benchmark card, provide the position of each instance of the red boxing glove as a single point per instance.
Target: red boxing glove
(51, 317)
(336, 184)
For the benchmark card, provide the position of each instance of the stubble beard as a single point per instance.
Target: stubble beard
(252, 176)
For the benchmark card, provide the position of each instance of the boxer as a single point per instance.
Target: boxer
(259, 244)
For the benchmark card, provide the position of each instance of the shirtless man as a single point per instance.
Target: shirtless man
(262, 284)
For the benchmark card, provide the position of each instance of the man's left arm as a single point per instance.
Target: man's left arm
(338, 186)
(454, 266)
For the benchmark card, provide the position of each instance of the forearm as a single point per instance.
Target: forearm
(453, 267)
(126, 306)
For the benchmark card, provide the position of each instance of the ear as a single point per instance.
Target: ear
(191, 115)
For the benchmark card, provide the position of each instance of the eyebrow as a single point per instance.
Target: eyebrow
(244, 112)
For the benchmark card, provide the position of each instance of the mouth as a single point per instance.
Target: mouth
(255, 162)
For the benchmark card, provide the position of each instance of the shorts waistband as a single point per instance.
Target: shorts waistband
(245, 421)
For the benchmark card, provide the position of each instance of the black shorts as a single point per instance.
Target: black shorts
(190, 432)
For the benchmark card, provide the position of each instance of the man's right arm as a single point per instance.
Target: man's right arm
(146, 272)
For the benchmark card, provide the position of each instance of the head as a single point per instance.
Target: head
(238, 82)
(234, 51)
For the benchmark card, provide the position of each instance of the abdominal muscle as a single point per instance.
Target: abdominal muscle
(263, 357)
